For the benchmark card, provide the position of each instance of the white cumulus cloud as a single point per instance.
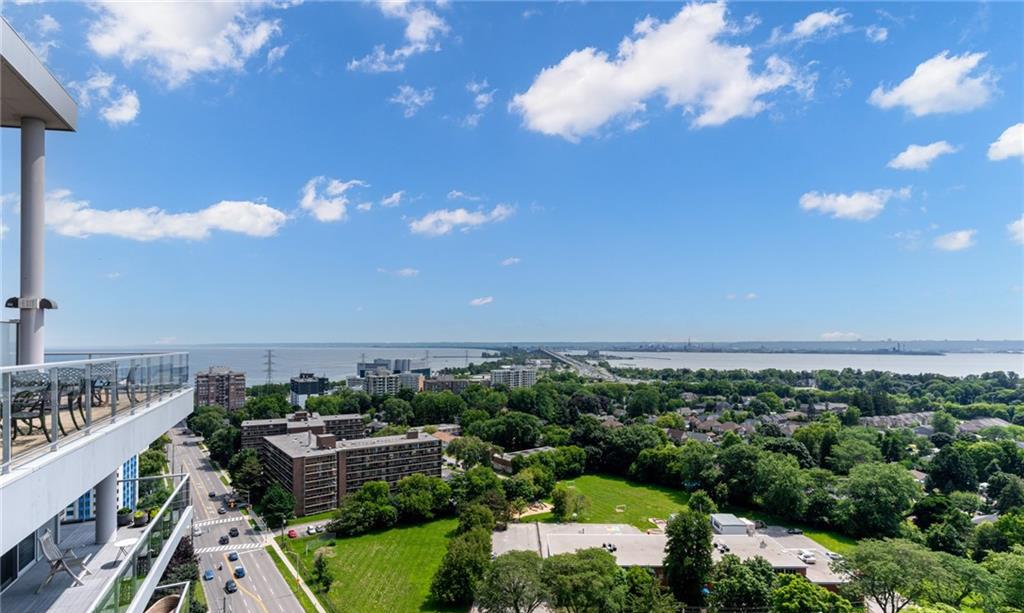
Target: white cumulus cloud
(443, 221)
(687, 60)
(422, 29)
(821, 24)
(459, 195)
(176, 41)
(955, 241)
(412, 99)
(1016, 230)
(877, 34)
(71, 217)
(394, 199)
(840, 336)
(919, 157)
(325, 198)
(481, 301)
(512, 261)
(861, 206)
(118, 104)
(942, 84)
(1009, 144)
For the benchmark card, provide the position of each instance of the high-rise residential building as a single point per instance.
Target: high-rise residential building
(382, 383)
(319, 470)
(347, 426)
(114, 406)
(514, 377)
(306, 385)
(410, 381)
(222, 387)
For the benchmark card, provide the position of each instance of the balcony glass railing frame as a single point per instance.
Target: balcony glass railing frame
(100, 390)
(122, 590)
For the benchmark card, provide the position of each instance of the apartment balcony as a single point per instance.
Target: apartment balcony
(123, 574)
(66, 427)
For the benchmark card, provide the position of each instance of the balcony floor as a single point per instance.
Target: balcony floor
(61, 595)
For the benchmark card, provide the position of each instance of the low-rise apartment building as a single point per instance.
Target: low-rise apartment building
(347, 426)
(320, 469)
(448, 383)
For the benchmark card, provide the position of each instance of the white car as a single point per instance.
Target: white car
(807, 556)
(311, 530)
(197, 531)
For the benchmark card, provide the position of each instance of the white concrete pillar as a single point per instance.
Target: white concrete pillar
(106, 508)
(33, 232)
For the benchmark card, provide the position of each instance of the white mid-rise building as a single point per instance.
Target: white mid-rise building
(514, 377)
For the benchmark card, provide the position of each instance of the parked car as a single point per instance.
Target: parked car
(794, 531)
(321, 528)
(233, 556)
(231, 587)
(197, 531)
(233, 532)
(208, 575)
(807, 556)
(292, 533)
(239, 571)
(311, 530)
(833, 555)
(223, 540)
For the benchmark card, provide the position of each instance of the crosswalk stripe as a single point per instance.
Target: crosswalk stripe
(246, 547)
(212, 522)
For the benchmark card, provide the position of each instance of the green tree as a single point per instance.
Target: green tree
(512, 584)
(795, 594)
(278, 505)
(322, 575)
(781, 485)
(961, 579)
(891, 572)
(740, 584)
(398, 411)
(588, 581)
(568, 503)
(688, 555)
(850, 452)
(702, 503)
(246, 471)
(944, 422)
(878, 497)
(644, 593)
(952, 534)
(952, 469)
(367, 509)
(420, 497)
(462, 567)
(475, 516)
(1008, 568)
(471, 451)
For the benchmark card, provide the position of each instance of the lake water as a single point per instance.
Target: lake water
(952, 364)
(334, 362)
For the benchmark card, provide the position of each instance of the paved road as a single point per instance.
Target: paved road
(263, 589)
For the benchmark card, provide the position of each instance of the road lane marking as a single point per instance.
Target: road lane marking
(258, 600)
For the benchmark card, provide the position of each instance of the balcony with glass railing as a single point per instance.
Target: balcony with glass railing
(123, 574)
(48, 406)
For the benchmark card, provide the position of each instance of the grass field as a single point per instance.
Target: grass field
(307, 519)
(383, 572)
(641, 502)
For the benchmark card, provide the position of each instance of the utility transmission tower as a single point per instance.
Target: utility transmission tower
(269, 366)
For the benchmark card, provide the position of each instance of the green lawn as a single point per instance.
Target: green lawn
(643, 501)
(383, 572)
(640, 501)
(305, 519)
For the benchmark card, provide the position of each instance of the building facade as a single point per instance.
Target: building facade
(382, 383)
(304, 386)
(222, 387)
(344, 427)
(450, 384)
(514, 377)
(320, 469)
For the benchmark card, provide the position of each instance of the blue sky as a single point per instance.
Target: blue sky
(506, 171)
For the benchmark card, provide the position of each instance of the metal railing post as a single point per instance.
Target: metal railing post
(54, 409)
(88, 398)
(112, 394)
(5, 398)
(132, 372)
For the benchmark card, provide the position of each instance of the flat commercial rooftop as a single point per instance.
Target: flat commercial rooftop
(383, 441)
(298, 445)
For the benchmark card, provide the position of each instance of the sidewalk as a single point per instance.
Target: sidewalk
(295, 574)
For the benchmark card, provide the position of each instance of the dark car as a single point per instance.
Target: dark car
(213, 494)
(233, 532)
(231, 587)
(239, 571)
(795, 531)
(233, 556)
(223, 540)
(221, 511)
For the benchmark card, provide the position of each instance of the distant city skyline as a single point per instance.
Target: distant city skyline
(413, 172)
